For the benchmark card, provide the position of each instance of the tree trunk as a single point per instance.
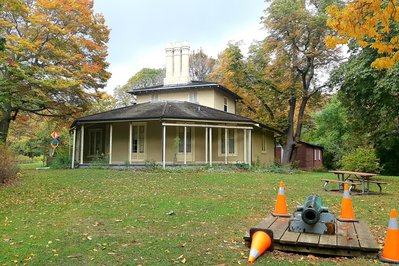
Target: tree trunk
(290, 144)
(4, 126)
(298, 132)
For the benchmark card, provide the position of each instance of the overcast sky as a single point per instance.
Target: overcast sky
(140, 29)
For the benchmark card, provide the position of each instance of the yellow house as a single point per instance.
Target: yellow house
(181, 122)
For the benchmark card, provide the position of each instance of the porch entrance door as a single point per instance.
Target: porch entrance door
(189, 144)
(95, 143)
(138, 142)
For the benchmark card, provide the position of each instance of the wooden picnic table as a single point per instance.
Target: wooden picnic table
(364, 178)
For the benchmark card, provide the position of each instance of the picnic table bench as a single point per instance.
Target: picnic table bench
(352, 184)
(355, 178)
(377, 182)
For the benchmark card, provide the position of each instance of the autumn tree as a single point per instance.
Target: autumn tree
(372, 99)
(299, 59)
(284, 74)
(201, 65)
(372, 24)
(146, 77)
(54, 58)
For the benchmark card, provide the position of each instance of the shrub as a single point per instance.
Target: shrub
(152, 165)
(100, 162)
(60, 159)
(361, 160)
(8, 164)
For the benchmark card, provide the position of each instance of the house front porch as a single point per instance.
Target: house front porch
(167, 143)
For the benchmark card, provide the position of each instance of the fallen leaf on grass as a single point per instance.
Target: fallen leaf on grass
(74, 256)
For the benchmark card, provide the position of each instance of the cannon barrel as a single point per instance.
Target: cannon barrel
(312, 209)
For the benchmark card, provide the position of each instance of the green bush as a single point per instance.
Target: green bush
(361, 160)
(152, 165)
(27, 159)
(8, 164)
(100, 162)
(60, 159)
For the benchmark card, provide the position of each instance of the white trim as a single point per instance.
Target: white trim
(214, 123)
(164, 147)
(210, 147)
(220, 154)
(206, 145)
(190, 155)
(245, 146)
(205, 125)
(167, 119)
(138, 157)
(110, 143)
(130, 143)
(250, 147)
(73, 148)
(226, 153)
(82, 133)
(185, 145)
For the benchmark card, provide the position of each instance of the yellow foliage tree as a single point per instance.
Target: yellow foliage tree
(372, 23)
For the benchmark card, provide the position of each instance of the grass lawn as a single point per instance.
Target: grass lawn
(110, 217)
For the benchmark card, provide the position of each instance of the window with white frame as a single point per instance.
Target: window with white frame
(181, 139)
(138, 138)
(192, 97)
(225, 104)
(95, 142)
(319, 155)
(264, 143)
(231, 141)
(315, 154)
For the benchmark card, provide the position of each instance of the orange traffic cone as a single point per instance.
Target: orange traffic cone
(281, 203)
(261, 241)
(347, 214)
(390, 253)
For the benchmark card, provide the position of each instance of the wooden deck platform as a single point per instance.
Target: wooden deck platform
(350, 240)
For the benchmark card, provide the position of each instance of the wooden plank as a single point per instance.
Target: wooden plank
(321, 250)
(267, 222)
(264, 224)
(289, 237)
(366, 240)
(328, 241)
(346, 235)
(308, 239)
(279, 227)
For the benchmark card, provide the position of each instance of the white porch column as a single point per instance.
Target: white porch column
(185, 145)
(245, 146)
(210, 147)
(206, 145)
(73, 148)
(130, 142)
(82, 136)
(225, 146)
(164, 147)
(110, 143)
(250, 147)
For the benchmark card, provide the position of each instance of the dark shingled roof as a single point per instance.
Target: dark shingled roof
(164, 110)
(192, 84)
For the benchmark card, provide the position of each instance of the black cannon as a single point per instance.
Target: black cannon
(313, 218)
